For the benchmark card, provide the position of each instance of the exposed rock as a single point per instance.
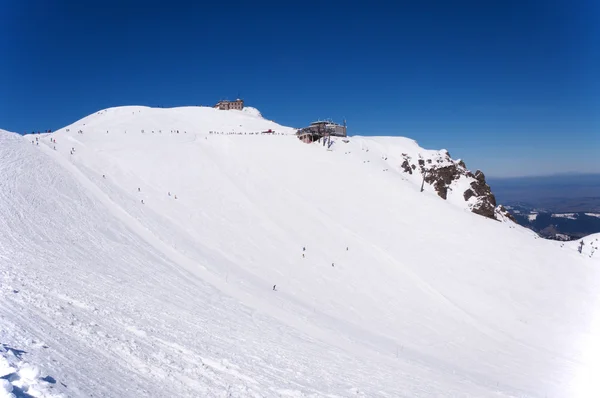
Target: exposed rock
(479, 176)
(441, 178)
(468, 194)
(502, 212)
(485, 205)
(441, 172)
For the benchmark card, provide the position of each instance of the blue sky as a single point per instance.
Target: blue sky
(512, 87)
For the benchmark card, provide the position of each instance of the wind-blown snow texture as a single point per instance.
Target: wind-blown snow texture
(398, 293)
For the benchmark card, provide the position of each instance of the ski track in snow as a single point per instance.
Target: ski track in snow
(106, 296)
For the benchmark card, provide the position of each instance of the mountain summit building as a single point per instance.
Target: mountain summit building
(227, 105)
(321, 128)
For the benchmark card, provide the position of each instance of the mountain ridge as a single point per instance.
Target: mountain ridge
(160, 264)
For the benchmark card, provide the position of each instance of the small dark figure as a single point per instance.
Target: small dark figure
(346, 248)
(304, 249)
(302, 255)
(332, 264)
(55, 148)
(142, 201)
(103, 176)
(274, 287)
(139, 189)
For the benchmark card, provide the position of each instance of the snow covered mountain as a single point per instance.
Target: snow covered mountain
(176, 252)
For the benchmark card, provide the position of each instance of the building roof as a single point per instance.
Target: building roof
(227, 101)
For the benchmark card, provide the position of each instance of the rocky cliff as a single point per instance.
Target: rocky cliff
(446, 175)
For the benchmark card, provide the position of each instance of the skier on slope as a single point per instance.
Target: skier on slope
(274, 287)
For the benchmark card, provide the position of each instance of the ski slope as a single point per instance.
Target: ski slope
(398, 293)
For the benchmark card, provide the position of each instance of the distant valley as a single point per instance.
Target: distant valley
(563, 207)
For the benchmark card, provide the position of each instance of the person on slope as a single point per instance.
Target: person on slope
(274, 287)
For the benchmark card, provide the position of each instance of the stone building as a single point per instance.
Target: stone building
(227, 105)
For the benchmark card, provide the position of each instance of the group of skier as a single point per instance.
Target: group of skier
(303, 256)
(140, 190)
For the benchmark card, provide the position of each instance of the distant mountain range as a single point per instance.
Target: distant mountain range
(565, 206)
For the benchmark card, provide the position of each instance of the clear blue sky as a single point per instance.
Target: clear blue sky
(512, 87)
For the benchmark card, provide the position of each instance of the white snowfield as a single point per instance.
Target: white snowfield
(570, 216)
(590, 245)
(398, 293)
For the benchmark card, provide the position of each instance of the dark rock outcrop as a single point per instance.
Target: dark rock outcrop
(502, 212)
(441, 178)
(442, 172)
(406, 167)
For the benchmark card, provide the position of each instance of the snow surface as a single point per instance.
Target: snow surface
(570, 216)
(20, 379)
(532, 216)
(590, 247)
(593, 215)
(398, 294)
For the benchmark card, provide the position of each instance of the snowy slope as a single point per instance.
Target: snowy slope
(587, 246)
(398, 293)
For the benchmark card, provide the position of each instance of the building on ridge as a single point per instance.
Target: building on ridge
(318, 129)
(225, 105)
